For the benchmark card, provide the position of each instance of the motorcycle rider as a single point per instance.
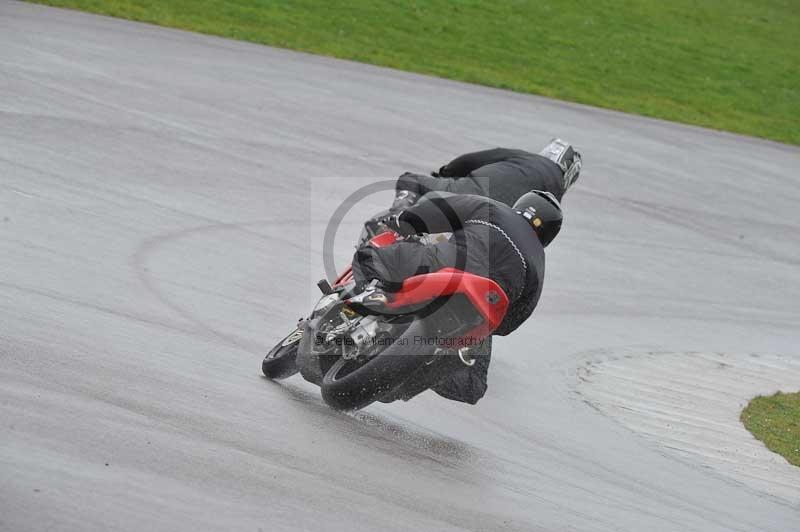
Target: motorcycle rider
(502, 174)
(489, 238)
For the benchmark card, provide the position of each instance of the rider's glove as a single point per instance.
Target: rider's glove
(393, 222)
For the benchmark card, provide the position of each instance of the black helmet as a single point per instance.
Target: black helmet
(543, 212)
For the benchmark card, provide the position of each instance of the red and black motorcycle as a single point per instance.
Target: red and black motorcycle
(383, 346)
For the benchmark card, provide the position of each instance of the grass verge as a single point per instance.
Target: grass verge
(775, 420)
(725, 64)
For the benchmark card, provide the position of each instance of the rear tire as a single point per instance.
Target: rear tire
(350, 385)
(281, 361)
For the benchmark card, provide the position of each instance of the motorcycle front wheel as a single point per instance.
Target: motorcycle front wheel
(281, 361)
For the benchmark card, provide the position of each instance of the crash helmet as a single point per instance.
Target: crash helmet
(543, 212)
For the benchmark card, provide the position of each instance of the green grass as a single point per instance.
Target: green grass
(725, 64)
(775, 420)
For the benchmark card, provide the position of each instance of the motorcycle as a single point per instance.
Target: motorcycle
(373, 345)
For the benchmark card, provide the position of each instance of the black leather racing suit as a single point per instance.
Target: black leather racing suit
(500, 173)
(490, 239)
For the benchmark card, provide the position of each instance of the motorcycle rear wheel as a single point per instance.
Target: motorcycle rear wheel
(351, 384)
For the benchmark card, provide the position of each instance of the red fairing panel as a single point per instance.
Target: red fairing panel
(485, 295)
(344, 278)
(384, 239)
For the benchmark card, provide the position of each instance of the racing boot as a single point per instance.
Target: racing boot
(403, 200)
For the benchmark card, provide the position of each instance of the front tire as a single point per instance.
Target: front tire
(281, 361)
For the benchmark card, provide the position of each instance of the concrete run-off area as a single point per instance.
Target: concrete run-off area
(689, 404)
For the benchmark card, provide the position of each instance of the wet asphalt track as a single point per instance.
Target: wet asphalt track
(161, 204)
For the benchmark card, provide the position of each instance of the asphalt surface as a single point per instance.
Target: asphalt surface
(162, 200)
